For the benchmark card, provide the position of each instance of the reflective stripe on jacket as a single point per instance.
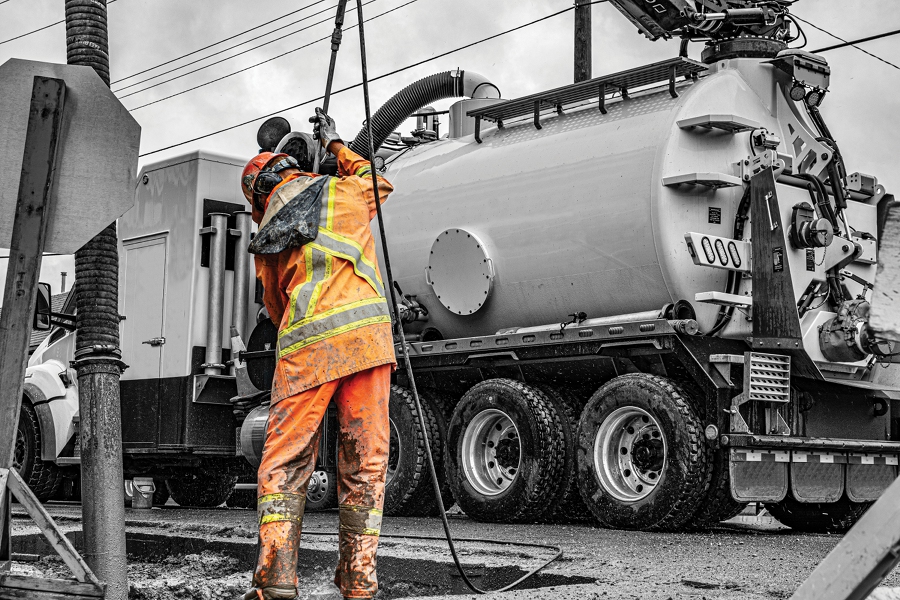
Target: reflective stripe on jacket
(328, 297)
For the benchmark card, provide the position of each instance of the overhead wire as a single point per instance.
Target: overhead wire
(356, 85)
(42, 28)
(877, 36)
(227, 58)
(222, 41)
(837, 37)
(253, 66)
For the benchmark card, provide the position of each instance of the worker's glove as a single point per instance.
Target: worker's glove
(324, 128)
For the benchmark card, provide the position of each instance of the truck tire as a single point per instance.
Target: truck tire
(434, 405)
(818, 517)
(642, 457)
(161, 495)
(407, 483)
(43, 477)
(507, 454)
(571, 507)
(718, 505)
(202, 488)
(321, 494)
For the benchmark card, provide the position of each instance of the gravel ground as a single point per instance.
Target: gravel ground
(749, 558)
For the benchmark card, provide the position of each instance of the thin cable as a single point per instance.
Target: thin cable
(201, 59)
(404, 350)
(232, 74)
(814, 26)
(356, 85)
(192, 52)
(859, 41)
(41, 28)
(4, 2)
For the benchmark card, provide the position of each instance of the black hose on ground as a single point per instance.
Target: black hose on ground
(407, 101)
(369, 137)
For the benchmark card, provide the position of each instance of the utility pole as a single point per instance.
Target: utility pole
(97, 353)
(582, 40)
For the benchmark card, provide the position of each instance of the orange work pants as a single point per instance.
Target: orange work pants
(288, 461)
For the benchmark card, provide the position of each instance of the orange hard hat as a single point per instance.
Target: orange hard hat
(252, 170)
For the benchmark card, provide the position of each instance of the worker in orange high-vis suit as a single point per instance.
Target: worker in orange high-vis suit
(334, 343)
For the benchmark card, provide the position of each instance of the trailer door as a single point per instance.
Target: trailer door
(144, 270)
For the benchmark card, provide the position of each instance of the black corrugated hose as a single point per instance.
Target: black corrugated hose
(97, 262)
(404, 103)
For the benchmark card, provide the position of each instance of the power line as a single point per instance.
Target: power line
(227, 58)
(859, 41)
(41, 28)
(4, 2)
(356, 85)
(845, 41)
(232, 74)
(191, 53)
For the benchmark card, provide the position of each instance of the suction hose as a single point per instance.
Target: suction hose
(408, 101)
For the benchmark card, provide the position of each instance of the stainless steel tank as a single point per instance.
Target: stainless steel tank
(576, 216)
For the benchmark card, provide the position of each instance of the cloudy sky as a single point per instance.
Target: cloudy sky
(862, 110)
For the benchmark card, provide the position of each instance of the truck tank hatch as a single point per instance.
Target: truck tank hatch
(460, 271)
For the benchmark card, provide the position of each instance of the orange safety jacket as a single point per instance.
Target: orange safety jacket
(327, 297)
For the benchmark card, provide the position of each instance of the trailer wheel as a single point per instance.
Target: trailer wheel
(321, 494)
(508, 453)
(243, 498)
(43, 477)
(818, 517)
(201, 487)
(642, 460)
(571, 507)
(407, 482)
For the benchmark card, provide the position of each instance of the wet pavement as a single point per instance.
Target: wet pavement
(206, 554)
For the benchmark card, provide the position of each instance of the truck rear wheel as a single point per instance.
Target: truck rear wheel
(43, 477)
(407, 484)
(201, 487)
(642, 460)
(818, 517)
(571, 507)
(507, 459)
(718, 505)
(425, 505)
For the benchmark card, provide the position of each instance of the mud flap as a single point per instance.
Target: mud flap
(758, 475)
(868, 475)
(817, 476)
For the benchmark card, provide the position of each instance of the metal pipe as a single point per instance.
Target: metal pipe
(241, 286)
(218, 242)
(647, 315)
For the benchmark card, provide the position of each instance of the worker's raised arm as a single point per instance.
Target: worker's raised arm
(351, 164)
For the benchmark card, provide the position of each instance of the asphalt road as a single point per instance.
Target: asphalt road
(754, 559)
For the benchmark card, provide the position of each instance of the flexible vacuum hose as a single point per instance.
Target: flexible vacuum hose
(408, 101)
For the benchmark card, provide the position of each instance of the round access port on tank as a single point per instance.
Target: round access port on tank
(460, 271)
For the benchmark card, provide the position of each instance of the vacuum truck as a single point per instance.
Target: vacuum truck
(642, 298)
(639, 300)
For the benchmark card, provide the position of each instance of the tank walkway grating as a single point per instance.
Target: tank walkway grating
(599, 88)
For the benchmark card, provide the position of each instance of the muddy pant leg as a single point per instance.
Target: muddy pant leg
(362, 404)
(289, 457)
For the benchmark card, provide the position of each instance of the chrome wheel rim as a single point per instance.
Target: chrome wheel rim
(630, 454)
(492, 452)
(318, 486)
(395, 452)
